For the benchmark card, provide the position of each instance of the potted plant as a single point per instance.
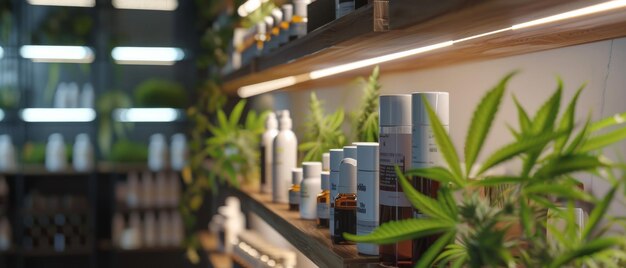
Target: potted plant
(322, 132)
(472, 232)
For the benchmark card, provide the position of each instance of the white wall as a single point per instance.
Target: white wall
(601, 64)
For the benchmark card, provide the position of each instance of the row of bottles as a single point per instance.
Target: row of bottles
(161, 157)
(68, 95)
(148, 190)
(147, 230)
(55, 223)
(359, 182)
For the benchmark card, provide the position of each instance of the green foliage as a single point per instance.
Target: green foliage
(6, 21)
(366, 118)
(35, 153)
(504, 224)
(64, 26)
(9, 97)
(108, 129)
(322, 132)
(125, 151)
(160, 93)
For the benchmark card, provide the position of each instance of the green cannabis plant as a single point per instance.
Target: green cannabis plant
(535, 224)
(322, 132)
(366, 118)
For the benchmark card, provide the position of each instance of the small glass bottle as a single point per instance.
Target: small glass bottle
(294, 191)
(345, 202)
(299, 19)
(323, 201)
(285, 24)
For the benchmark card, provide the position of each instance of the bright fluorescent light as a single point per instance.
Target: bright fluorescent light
(249, 6)
(1, 115)
(71, 54)
(573, 14)
(256, 89)
(58, 114)
(373, 61)
(147, 55)
(146, 115)
(67, 3)
(164, 5)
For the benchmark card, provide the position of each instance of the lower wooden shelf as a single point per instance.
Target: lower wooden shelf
(312, 241)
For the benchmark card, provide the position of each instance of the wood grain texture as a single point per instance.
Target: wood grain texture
(414, 24)
(303, 234)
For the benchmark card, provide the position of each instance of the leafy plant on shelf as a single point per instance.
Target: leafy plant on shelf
(322, 132)
(366, 118)
(109, 129)
(540, 198)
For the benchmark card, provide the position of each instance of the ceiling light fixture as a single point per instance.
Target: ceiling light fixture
(147, 55)
(66, 3)
(162, 5)
(64, 54)
(58, 114)
(263, 87)
(146, 115)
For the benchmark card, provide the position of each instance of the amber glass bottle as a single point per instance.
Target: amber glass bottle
(345, 202)
(323, 202)
(294, 190)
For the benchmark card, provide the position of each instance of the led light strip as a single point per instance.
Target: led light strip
(65, 54)
(267, 86)
(163, 5)
(147, 55)
(58, 114)
(146, 115)
(66, 3)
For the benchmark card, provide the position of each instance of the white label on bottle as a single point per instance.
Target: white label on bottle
(425, 151)
(323, 210)
(394, 151)
(294, 197)
(367, 196)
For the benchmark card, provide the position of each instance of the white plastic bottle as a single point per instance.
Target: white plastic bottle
(271, 130)
(310, 187)
(8, 161)
(55, 153)
(82, 159)
(157, 153)
(326, 162)
(285, 155)
(336, 155)
(367, 210)
(178, 152)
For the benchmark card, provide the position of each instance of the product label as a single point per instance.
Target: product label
(367, 193)
(294, 197)
(425, 151)
(323, 210)
(365, 226)
(395, 150)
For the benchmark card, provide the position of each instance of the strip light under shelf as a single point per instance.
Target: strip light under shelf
(58, 114)
(65, 3)
(64, 54)
(147, 55)
(163, 5)
(146, 115)
(271, 85)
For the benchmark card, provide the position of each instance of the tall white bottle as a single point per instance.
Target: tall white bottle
(309, 188)
(285, 155)
(336, 155)
(271, 130)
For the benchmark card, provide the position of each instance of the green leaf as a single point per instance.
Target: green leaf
(545, 117)
(426, 259)
(567, 122)
(235, 115)
(574, 146)
(523, 118)
(557, 191)
(525, 217)
(568, 164)
(608, 122)
(439, 174)
(402, 230)
(516, 148)
(598, 212)
(482, 120)
(601, 141)
(586, 249)
(444, 143)
(421, 202)
(498, 180)
(221, 118)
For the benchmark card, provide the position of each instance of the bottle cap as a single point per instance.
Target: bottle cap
(367, 156)
(269, 20)
(261, 27)
(271, 122)
(287, 12)
(296, 175)
(336, 155)
(347, 176)
(349, 152)
(311, 170)
(285, 120)
(325, 180)
(395, 110)
(439, 101)
(326, 161)
(278, 15)
(300, 7)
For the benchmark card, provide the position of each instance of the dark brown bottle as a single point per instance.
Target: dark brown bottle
(345, 201)
(429, 188)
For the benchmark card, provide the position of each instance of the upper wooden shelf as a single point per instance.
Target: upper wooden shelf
(385, 27)
(312, 241)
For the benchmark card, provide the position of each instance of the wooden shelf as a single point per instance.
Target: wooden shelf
(404, 24)
(312, 241)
